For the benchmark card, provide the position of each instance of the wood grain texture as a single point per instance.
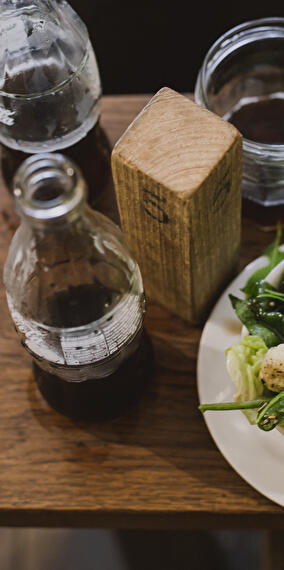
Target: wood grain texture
(155, 468)
(177, 172)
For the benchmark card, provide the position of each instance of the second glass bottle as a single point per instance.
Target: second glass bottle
(75, 294)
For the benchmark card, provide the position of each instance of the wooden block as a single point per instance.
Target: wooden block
(177, 171)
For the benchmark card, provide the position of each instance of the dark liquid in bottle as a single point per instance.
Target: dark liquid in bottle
(97, 398)
(262, 122)
(92, 154)
(104, 398)
(79, 305)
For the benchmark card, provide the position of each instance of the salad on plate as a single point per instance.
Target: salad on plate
(256, 364)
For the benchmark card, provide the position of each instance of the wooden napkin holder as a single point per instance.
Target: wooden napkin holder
(177, 171)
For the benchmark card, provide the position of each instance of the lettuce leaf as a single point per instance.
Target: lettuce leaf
(243, 364)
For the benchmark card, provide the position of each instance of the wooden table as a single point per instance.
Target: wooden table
(155, 468)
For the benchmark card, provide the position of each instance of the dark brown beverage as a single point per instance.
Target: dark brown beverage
(266, 217)
(94, 398)
(77, 306)
(92, 154)
(262, 121)
(104, 398)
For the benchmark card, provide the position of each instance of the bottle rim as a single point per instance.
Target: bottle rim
(226, 44)
(47, 187)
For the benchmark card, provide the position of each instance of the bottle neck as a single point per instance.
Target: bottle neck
(49, 190)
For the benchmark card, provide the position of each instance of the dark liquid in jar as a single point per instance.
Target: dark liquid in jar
(95, 398)
(262, 122)
(92, 154)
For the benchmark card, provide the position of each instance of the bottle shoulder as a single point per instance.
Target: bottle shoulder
(42, 43)
(81, 262)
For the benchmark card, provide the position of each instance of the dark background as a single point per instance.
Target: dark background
(144, 45)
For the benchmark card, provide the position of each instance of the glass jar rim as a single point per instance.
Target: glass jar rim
(230, 41)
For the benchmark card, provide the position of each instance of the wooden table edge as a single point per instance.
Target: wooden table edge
(126, 520)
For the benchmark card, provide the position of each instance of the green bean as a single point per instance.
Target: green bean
(249, 405)
(277, 295)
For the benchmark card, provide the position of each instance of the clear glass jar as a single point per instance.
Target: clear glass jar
(242, 80)
(50, 85)
(75, 292)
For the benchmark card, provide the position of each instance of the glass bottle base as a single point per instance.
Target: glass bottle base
(100, 399)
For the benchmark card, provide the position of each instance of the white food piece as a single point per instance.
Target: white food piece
(272, 368)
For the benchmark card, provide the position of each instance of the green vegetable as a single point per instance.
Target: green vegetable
(272, 414)
(255, 324)
(268, 294)
(262, 314)
(250, 405)
(261, 299)
(274, 320)
(243, 364)
(274, 256)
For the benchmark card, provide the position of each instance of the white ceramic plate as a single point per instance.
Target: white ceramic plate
(256, 455)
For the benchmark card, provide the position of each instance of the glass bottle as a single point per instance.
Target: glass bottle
(75, 294)
(49, 88)
(242, 80)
